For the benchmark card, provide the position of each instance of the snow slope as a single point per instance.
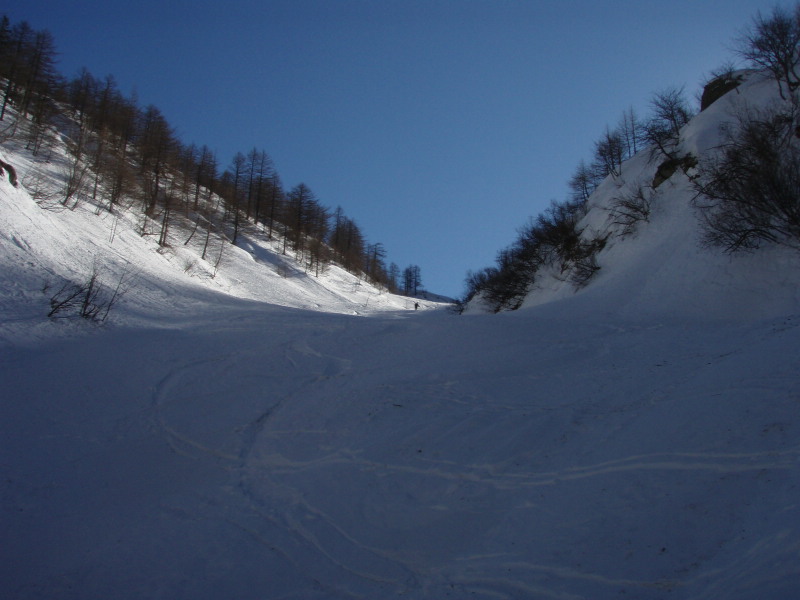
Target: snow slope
(45, 244)
(663, 267)
(280, 453)
(637, 439)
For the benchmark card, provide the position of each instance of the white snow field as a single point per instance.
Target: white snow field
(272, 437)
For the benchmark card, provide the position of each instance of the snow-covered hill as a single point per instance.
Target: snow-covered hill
(663, 268)
(44, 244)
(224, 438)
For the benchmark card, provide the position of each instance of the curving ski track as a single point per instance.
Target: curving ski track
(293, 455)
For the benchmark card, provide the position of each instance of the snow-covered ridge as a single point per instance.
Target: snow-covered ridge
(43, 244)
(663, 268)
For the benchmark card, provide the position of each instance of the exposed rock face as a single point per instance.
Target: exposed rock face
(667, 168)
(12, 173)
(717, 88)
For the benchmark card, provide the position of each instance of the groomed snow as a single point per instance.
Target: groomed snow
(226, 438)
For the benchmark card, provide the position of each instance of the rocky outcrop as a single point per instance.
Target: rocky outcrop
(717, 88)
(12, 173)
(667, 168)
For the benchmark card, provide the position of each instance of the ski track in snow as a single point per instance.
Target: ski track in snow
(359, 477)
(286, 514)
(636, 439)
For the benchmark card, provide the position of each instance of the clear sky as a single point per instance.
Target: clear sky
(439, 126)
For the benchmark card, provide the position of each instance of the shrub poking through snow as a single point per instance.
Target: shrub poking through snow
(90, 299)
(553, 239)
(750, 192)
(631, 208)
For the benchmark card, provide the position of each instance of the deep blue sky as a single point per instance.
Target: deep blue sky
(440, 126)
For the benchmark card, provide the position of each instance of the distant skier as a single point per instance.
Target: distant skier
(416, 305)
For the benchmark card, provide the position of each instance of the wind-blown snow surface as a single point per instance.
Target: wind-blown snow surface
(638, 439)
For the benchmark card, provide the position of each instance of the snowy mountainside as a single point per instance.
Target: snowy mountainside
(44, 244)
(663, 268)
(249, 436)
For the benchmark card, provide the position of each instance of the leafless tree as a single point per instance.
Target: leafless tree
(583, 182)
(670, 112)
(772, 43)
(90, 299)
(750, 192)
(412, 280)
(631, 208)
(631, 129)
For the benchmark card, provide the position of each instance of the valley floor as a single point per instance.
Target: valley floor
(263, 452)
